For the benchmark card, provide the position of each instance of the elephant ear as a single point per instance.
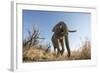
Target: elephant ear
(55, 28)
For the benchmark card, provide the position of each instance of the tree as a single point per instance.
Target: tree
(32, 39)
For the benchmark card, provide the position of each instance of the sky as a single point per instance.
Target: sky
(46, 20)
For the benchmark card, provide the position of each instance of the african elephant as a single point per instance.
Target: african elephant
(60, 36)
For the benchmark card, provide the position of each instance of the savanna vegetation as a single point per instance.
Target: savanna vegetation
(35, 52)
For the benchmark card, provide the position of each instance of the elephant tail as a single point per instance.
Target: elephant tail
(71, 30)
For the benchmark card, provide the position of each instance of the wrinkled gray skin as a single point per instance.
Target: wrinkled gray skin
(60, 36)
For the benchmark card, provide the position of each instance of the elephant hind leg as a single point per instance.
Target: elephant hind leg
(67, 45)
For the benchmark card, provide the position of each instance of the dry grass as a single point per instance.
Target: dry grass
(35, 54)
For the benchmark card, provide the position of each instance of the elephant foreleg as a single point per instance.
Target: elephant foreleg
(62, 45)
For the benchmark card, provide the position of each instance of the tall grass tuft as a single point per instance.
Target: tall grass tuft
(35, 54)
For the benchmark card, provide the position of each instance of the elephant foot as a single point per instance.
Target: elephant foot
(61, 52)
(54, 54)
(68, 55)
(58, 53)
